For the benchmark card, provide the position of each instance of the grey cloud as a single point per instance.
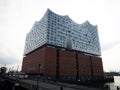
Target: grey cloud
(8, 60)
(110, 45)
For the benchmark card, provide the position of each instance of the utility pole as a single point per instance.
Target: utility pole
(39, 65)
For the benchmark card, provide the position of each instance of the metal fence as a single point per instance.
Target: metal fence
(112, 87)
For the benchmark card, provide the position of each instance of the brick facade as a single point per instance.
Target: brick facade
(62, 63)
(50, 62)
(84, 65)
(67, 63)
(31, 61)
(97, 66)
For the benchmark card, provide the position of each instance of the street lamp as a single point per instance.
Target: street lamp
(39, 65)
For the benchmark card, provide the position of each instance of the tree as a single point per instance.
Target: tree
(3, 70)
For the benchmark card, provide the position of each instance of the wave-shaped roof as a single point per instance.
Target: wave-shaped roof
(67, 17)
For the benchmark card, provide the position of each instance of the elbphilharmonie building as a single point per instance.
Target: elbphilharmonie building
(63, 49)
(58, 30)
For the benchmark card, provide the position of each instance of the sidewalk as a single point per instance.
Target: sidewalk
(56, 85)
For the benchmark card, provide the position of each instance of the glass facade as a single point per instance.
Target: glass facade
(59, 31)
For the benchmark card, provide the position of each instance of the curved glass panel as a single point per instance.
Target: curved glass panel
(55, 29)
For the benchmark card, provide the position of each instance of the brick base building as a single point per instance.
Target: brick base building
(62, 64)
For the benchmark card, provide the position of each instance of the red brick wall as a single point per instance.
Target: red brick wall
(31, 61)
(50, 64)
(67, 63)
(97, 66)
(25, 64)
(84, 64)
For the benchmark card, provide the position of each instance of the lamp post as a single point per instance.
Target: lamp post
(39, 65)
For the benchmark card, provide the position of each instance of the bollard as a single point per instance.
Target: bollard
(106, 87)
(61, 88)
(117, 88)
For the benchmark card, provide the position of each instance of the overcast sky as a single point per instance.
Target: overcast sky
(18, 16)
